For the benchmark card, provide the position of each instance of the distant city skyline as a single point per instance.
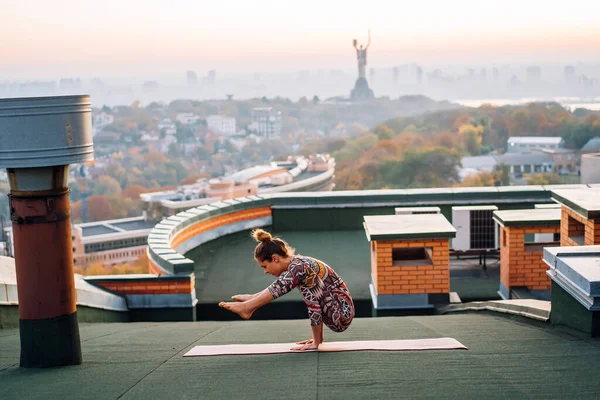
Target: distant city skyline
(64, 38)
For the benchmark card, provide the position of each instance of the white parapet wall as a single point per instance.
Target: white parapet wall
(88, 295)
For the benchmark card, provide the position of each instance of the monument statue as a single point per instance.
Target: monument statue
(361, 89)
(361, 55)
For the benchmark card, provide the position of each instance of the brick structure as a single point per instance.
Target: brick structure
(580, 218)
(124, 285)
(521, 259)
(153, 298)
(410, 265)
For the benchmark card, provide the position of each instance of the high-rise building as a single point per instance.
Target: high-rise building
(570, 74)
(419, 74)
(266, 122)
(534, 73)
(192, 78)
(212, 76)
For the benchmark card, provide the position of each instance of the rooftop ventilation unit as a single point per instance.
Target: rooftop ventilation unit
(417, 210)
(475, 228)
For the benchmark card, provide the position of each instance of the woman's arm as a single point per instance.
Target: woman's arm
(244, 297)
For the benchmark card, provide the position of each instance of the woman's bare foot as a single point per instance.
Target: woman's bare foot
(242, 297)
(240, 309)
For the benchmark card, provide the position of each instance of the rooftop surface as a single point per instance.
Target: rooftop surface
(134, 225)
(97, 230)
(531, 158)
(115, 226)
(507, 358)
(401, 227)
(540, 216)
(535, 139)
(303, 176)
(584, 201)
(226, 266)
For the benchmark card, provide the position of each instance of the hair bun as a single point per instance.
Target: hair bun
(261, 235)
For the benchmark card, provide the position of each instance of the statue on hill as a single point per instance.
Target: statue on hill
(361, 89)
(361, 55)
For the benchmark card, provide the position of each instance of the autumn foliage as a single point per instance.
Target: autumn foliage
(426, 151)
(140, 266)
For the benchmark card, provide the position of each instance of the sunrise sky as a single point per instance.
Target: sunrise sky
(47, 39)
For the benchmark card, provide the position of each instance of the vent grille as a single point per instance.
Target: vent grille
(482, 229)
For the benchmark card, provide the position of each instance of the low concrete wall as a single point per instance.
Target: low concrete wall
(93, 304)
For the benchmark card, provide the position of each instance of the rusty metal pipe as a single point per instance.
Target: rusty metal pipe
(39, 138)
(44, 266)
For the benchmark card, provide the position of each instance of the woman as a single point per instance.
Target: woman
(324, 292)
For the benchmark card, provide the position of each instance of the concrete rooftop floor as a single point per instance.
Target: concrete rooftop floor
(507, 358)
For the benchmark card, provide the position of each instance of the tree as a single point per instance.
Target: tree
(143, 263)
(502, 174)
(485, 178)
(107, 185)
(99, 208)
(472, 138)
(133, 192)
(316, 99)
(383, 132)
(154, 157)
(96, 269)
(548, 178)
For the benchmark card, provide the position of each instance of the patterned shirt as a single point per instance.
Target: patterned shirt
(318, 283)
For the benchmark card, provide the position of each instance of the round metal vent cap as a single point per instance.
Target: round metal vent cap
(45, 131)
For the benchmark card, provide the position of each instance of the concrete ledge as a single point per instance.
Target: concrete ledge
(216, 233)
(503, 292)
(94, 297)
(534, 309)
(88, 295)
(177, 300)
(399, 301)
(577, 271)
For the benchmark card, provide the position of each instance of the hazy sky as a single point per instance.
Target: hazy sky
(42, 39)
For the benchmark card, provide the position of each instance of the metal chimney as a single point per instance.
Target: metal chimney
(39, 138)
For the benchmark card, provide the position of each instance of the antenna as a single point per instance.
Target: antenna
(2, 236)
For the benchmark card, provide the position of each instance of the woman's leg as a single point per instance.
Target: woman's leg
(338, 311)
(246, 309)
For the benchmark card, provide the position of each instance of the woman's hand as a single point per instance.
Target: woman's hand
(307, 341)
(306, 347)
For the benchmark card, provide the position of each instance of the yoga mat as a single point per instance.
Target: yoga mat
(375, 345)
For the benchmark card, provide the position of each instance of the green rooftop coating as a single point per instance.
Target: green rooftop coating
(506, 359)
(403, 227)
(536, 217)
(583, 201)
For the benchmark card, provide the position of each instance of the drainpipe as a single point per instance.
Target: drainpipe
(39, 138)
